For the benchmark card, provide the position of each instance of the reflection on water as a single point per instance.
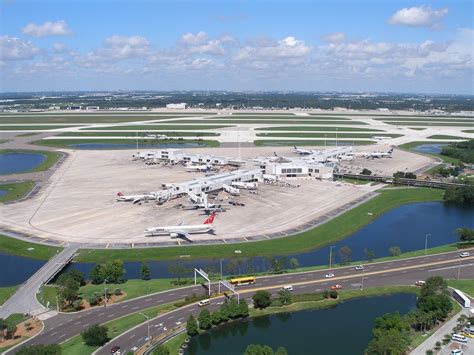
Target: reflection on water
(340, 330)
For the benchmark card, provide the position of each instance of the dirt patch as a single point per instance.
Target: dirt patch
(26, 329)
(111, 300)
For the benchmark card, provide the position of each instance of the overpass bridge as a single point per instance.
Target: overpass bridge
(400, 181)
(24, 299)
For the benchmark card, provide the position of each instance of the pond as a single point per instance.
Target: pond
(15, 163)
(133, 145)
(405, 226)
(340, 330)
(431, 148)
(17, 269)
(3, 192)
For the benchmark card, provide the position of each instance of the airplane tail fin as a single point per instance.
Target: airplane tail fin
(390, 151)
(120, 194)
(295, 147)
(210, 219)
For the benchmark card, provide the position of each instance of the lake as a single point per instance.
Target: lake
(431, 148)
(340, 330)
(15, 163)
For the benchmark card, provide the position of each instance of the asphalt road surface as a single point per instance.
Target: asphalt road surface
(397, 272)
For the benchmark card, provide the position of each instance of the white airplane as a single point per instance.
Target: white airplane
(231, 190)
(155, 136)
(135, 198)
(376, 155)
(381, 138)
(202, 168)
(183, 231)
(244, 185)
(302, 151)
(203, 203)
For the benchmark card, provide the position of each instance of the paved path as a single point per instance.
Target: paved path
(24, 300)
(397, 272)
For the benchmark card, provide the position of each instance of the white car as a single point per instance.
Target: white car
(329, 275)
(287, 288)
(359, 267)
(464, 255)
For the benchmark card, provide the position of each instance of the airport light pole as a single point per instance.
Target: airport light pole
(105, 292)
(362, 282)
(330, 256)
(147, 324)
(426, 241)
(221, 267)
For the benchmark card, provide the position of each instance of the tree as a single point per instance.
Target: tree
(262, 299)
(369, 254)
(243, 309)
(465, 234)
(333, 294)
(388, 342)
(145, 271)
(394, 251)
(345, 253)
(233, 309)
(112, 271)
(294, 263)
(460, 194)
(216, 318)
(95, 335)
(178, 270)
(366, 171)
(284, 296)
(281, 351)
(254, 349)
(40, 349)
(204, 319)
(161, 350)
(225, 311)
(278, 265)
(191, 326)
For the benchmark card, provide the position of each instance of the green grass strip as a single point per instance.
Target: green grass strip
(15, 190)
(141, 134)
(66, 143)
(32, 128)
(159, 127)
(334, 230)
(316, 128)
(282, 142)
(325, 135)
(6, 293)
(18, 247)
(440, 136)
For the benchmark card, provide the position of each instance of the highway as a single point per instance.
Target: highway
(396, 272)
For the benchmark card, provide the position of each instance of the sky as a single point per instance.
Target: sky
(319, 45)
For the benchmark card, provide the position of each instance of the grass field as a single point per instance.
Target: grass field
(440, 136)
(75, 345)
(32, 250)
(163, 127)
(133, 135)
(466, 286)
(334, 230)
(283, 142)
(469, 131)
(15, 190)
(283, 116)
(65, 143)
(284, 121)
(429, 123)
(323, 135)
(32, 128)
(51, 158)
(89, 118)
(6, 292)
(423, 119)
(316, 128)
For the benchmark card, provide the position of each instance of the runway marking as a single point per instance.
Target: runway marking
(62, 336)
(98, 314)
(132, 336)
(136, 307)
(125, 306)
(148, 299)
(54, 333)
(77, 323)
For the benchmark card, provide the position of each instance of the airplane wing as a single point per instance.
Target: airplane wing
(183, 235)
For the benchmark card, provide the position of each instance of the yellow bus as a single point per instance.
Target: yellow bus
(243, 280)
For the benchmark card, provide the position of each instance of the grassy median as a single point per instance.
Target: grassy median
(18, 247)
(66, 143)
(16, 190)
(336, 229)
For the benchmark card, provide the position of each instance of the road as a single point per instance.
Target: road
(24, 299)
(397, 272)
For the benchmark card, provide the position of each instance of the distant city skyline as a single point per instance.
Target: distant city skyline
(369, 46)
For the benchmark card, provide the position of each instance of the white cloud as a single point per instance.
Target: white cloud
(422, 16)
(123, 47)
(336, 37)
(194, 39)
(58, 28)
(200, 43)
(288, 47)
(12, 48)
(59, 47)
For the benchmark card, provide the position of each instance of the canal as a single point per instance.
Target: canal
(340, 330)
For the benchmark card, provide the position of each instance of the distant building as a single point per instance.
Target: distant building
(93, 108)
(180, 106)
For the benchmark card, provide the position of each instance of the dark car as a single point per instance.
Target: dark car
(115, 349)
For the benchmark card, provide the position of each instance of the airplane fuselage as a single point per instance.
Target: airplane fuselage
(173, 231)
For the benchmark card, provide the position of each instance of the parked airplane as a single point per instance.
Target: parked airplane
(183, 231)
(203, 203)
(203, 168)
(135, 198)
(244, 185)
(376, 155)
(231, 190)
(381, 138)
(155, 136)
(303, 151)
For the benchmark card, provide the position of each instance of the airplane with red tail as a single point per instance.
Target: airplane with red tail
(183, 231)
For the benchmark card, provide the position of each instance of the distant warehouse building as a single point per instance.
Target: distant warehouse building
(180, 106)
(300, 169)
(177, 156)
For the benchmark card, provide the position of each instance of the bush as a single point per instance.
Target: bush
(333, 294)
(161, 350)
(93, 300)
(95, 335)
(191, 326)
(262, 299)
(204, 319)
(40, 349)
(366, 172)
(117, 292)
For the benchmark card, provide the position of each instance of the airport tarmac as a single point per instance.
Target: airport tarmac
(78, 203)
